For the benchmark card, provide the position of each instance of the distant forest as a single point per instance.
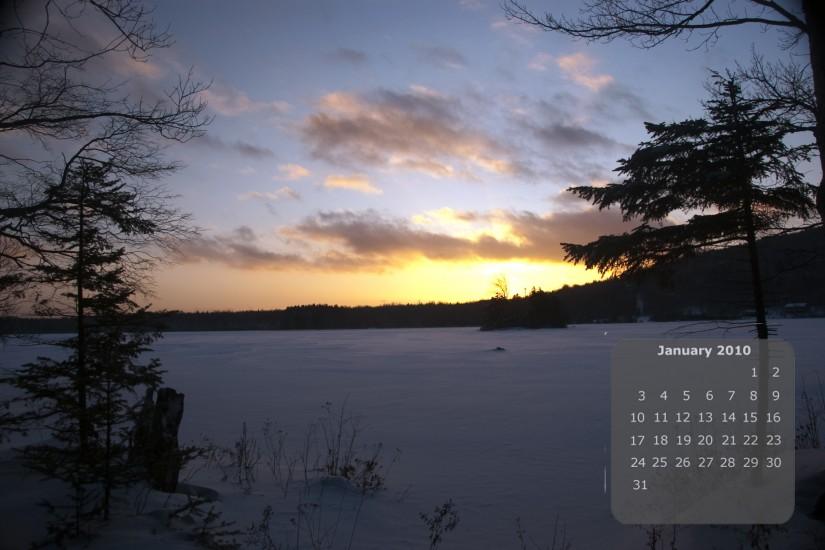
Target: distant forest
(712, 285)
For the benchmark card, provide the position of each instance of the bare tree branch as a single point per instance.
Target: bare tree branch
(56, 92)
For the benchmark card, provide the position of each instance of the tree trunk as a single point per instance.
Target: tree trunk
(756, 276)
(107, 465)
(81, 321)
(750, 231)
(814, 11)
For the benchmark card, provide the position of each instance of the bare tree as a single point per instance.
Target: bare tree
(648, 23)
(43, 90)
(59, 106)
(500, 288)
(785, 90)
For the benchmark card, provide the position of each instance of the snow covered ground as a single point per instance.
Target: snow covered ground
(521, 433)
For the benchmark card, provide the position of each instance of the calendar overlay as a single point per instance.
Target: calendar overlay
(702, 431)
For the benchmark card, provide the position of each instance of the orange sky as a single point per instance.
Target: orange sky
(192, 287)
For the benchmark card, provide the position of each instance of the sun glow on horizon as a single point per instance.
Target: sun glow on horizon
(205, 286)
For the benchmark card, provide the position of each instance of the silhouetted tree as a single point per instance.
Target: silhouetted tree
(732, 167)
(101, 226)
(648, 23)
(544, 310)
(501, 288)
(497, 311)
(538, 309)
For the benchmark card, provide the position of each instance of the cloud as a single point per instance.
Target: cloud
(348, 55)
(444, 215)
(247, 171)
(540, 62)
(560, 146)
(143, 68)
(515, 30)
(251, 150)
(240, 249)
(230, 102)
(564, 200)
(373, 239)
(578, 67)
(616, 101)
(291, 172)
(368, 240)
(442, 57)
(420, 130)
(428, 132)
(376, 239)
(470, 4)
(282, 193)
(562, 136)
(431, 168)
(238, 146)
(545, 233)
(359, 183)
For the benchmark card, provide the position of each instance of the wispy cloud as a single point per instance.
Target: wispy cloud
(291, 172)
(471, 4)
(282, 193)
(239, 248)
(144, 68)
(579, 67)
(443, 57)
(419, 129)
(359, 183)
(540, 62)
(348, 55)
(238, 146)
(616, 101)
(556, 136)
(564, 136)
(514, 30)
(231, 102)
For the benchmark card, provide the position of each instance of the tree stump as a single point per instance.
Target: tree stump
(156, 438)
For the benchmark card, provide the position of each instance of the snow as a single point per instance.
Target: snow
(521, 433)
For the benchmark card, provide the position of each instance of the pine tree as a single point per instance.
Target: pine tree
(731, 172)
(96, 225)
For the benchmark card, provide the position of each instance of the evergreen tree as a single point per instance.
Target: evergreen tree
(790, 90)
(544, 309)
(97, 227)
(731, 172)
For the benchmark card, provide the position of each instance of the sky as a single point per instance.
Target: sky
(386, 151)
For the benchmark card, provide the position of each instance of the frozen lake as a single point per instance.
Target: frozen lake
(516, 433)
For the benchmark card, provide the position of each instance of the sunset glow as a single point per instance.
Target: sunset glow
(209, 287)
